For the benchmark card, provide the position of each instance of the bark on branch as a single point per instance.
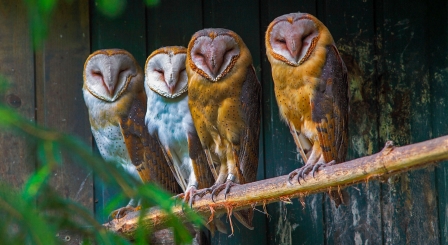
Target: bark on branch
(391, 160)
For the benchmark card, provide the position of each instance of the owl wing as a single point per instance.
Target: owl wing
(201, 166)
(249, 141)
(144, 150)
(331, 114)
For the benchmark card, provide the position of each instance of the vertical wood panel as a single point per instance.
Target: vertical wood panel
(242, 17)
(127, 31)
(408, 200)
(60, 102)
(437, 39)
(352, 27)
(288, 224)
(17, 65)
(172, 23)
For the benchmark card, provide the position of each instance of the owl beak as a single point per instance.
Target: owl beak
(110, 88)
(294, 49)
(171, 88)
(214, 62)
(171, 83)
(214, 66)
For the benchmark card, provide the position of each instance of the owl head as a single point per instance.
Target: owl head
(109, 73)
(292, 38)
(165, 71)
(214, 52)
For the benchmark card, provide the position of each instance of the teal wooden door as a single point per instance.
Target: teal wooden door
(396, 55)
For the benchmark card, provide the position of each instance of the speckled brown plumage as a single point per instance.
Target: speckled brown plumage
(311, 88)
(144, 150)
(225, 109)
(116, 101)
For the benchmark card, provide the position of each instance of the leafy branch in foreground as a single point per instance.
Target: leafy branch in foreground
(24, 222)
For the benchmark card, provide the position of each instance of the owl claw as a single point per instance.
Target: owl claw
(322, 165)
(189, 196)
(179, 196)
(300, 172)
(201, 193)
(217, 190)
(303, 171)
(225, 186)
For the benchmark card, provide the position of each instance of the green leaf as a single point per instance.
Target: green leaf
(35, 183)
(152, 3)
(46, 6)
(111, 8)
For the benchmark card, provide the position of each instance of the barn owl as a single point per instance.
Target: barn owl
(224, 100)
(116, 101)
(311, 88)
(169, 120)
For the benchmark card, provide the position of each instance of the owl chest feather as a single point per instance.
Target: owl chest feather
(104, 120)
(171, 120)
(294, 94)
(216, 107)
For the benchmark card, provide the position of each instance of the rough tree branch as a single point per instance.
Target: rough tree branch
(391, 160)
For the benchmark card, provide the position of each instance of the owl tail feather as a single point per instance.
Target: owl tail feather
(339, 197)
(216, 225)
(245, 217)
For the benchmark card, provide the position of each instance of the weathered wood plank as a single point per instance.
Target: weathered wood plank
(16, 64)
(437, 39)
(352, 27)
(409, 200)
(242, 17)
(127, 31)
(59, 96)
(288, 224)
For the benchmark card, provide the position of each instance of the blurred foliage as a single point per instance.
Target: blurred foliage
(40, 11)
(36, 213)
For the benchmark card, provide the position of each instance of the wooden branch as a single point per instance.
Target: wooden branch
(391, 160)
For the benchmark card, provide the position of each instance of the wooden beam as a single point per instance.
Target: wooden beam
(391, 160)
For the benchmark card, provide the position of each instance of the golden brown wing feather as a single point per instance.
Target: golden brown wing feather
(201, 167)
(249, 141)
(331, 116)
(144, 150)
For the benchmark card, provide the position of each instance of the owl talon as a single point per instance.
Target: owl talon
(292, 175)
(229, 184)
(322, 165)
(202, 193)
(301, 173)
(179, 196)
(217, 190)
(189, 196)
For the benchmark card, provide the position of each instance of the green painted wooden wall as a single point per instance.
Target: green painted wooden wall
(396, 54)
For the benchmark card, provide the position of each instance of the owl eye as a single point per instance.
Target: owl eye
(281, 40)
(199, 55)
(97, 74)
(161, 73)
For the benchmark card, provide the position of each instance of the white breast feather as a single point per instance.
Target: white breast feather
(109, 139)
(171, 120)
